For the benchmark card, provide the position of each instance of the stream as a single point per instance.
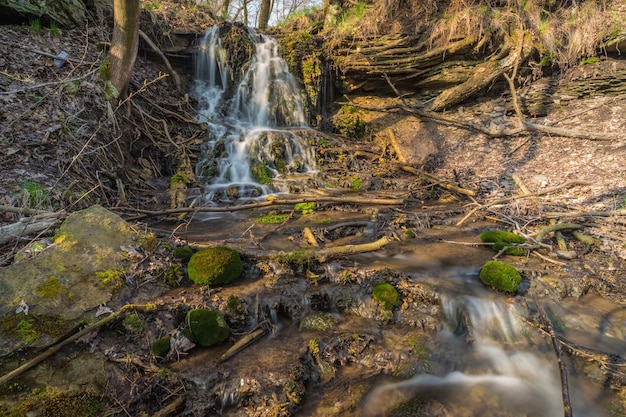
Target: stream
(453, 348)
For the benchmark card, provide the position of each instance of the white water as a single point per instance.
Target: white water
(500, 373)
(248, 118)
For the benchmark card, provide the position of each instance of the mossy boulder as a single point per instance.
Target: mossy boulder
(500, 276)
(206, 327)
(184, 253)
(502, 239)
(218, 265)
(387, 295)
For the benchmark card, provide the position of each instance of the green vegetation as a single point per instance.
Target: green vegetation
(272, 219)
(54, 29)
(51, 289)
(206, 327)
(234, 305)
(356, 183)
(132, 323)
(53, 402)
(184, 253)
(111, 277)
(261, 173)
(387, 295)
(148, 241)
(161, 347)
(35, 26)
(590, 60)
(317, 322)
(29, 328)
(305, 208)
(218, 265)
(314, 346)
(348, 122)
(500, 276)
(502, 239)
(33, 194)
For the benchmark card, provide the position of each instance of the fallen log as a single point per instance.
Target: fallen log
(29, 226)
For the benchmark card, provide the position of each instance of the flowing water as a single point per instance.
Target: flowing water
(491, 363)
(254, 114)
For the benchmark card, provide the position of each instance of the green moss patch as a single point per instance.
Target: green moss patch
(206, 327)
(500, 276)
(218, 265)
(387, 295)
(502, 239)
(161, 347)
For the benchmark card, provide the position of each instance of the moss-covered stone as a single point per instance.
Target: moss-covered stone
(502, 239)
(161, 347)
(387, 295)
(218, 265)
(500, 276)
(184, 253)
(206, 327)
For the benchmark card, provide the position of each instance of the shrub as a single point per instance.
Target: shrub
(500, 276)
(206, 327)
(218, 265)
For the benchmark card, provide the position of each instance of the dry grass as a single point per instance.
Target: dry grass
(564, 32)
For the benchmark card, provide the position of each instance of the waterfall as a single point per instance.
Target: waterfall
(255, 116)
(497, 373)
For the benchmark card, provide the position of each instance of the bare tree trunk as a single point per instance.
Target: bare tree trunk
(264, 14)
(124, 43)
(224, 10)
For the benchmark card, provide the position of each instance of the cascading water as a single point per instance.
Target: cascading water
(495, 375)
(254, 117)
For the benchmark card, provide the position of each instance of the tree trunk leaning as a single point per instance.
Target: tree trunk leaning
(124, 44)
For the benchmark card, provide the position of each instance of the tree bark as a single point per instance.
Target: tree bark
(124, 43)
(264, 13)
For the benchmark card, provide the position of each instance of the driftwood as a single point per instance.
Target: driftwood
(29, 226)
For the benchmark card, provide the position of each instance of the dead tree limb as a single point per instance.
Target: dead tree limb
(28, 226)
(161, 55)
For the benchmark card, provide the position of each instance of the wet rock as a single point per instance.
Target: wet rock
(78, 273)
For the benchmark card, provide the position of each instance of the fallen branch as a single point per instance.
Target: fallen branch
(55, 348)
(272, 202)
(242, 343)
(567, 406)
(556, 227)
(441, 183)
(163, 58)
(608, 213)
(28, 226)
(321, 255)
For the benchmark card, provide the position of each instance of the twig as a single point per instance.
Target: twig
(519, 196)
(567, 407)
(442, 183)
(243, 343)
